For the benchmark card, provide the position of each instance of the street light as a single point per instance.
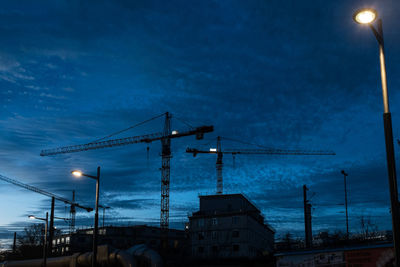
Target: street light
(345, 202)
(96, 215)
(32, 217)
(367, 17)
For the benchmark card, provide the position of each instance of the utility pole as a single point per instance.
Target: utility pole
(51, 227)
(15, 243)
(104, 211)
(345, 202)
(307, 219)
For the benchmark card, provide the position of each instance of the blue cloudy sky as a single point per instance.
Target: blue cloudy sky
(283, 74)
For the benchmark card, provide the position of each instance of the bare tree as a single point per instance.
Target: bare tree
(30, 242)
(32, 236)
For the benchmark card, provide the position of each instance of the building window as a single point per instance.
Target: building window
(201, 235)
(201, 249)
(214, 235)
(201, 222)
(67, 239)
(235, 219)
(214, 249)
(235, 233)
(214, 221)
(236, 248)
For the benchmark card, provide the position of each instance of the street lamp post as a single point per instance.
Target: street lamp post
(367, 16)
(45, 235)
(345, 202)
(96, 215)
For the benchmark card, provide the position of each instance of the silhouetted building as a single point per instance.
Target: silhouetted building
(229, 226)
(118, 237)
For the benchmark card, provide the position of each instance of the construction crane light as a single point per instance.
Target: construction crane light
(77, 173)
(213, 150)
(174, 132)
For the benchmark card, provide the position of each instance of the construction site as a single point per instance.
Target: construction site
(204, 134)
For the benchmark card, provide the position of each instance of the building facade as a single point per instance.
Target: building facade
(229, 226)
(118, 237)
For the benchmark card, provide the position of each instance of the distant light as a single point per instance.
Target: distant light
(174, 132)
(186, 227)
(365, 15)
(213, 150)
(77, 173)
(32, 217)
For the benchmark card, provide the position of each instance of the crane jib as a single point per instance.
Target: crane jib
(199, 131)
(40, 191)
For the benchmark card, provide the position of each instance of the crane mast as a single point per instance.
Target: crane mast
(219, 166)
(73, 214)
(219, 152)
(165, 137)
(165, 172)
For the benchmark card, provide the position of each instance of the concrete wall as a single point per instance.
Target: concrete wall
(229, 236)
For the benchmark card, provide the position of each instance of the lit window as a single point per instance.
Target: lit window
(67, 239)
(214, 221)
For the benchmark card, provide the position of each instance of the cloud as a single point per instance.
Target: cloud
(247, 68)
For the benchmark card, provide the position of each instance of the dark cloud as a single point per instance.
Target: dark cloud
(290, 75)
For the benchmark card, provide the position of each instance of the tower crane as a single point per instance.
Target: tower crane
(165, 138)
(53, 198)
(219, 152)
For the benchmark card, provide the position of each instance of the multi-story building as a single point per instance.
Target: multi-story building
(118, 237)
(229, 226)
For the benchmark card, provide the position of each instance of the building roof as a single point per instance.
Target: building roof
(228, 196)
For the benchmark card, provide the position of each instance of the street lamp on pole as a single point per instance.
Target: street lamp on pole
(96, 215)
(46, 220)
(367, 16)
(345, 202)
